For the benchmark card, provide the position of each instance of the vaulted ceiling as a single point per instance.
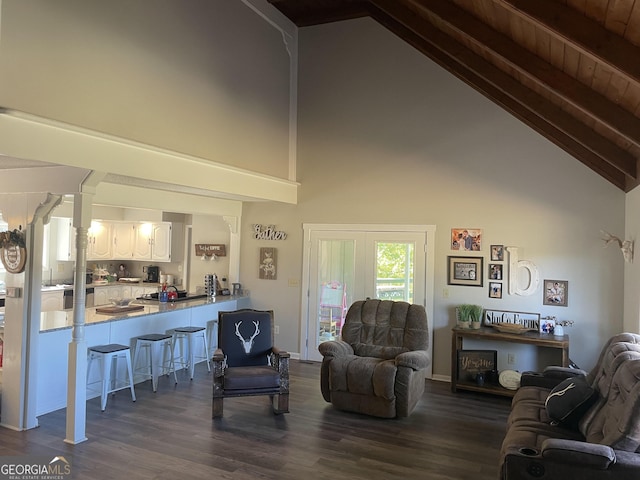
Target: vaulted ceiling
(570, 69)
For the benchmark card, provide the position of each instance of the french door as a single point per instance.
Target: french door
(345, 263)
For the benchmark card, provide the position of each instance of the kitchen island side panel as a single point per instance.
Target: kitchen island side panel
(54, 345)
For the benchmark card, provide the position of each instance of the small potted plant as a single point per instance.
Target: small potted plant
(463, 315)
(469, 315)
(558, 331)
(475, 315)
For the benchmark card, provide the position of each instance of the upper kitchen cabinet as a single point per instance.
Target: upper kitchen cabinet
(100, 241)
(153, 241)
(119, 240)
(65, 239)
(124, 235)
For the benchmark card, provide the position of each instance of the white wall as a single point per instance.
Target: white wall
(386, 136)
(632, 270)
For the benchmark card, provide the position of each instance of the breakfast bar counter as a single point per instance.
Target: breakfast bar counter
(122, 327)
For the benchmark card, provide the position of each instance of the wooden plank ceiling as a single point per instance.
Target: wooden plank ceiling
(570, 69)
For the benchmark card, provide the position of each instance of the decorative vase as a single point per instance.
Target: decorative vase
(558, 331)
(476, 325)
(463, 323)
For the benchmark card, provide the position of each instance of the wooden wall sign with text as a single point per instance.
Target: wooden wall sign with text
(472, 362)
(219, 250)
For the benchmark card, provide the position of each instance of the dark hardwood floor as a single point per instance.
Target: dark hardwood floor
(170, 435)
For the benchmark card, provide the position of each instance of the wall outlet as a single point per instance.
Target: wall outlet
(511, 358)
(445, 293)
(276, 329)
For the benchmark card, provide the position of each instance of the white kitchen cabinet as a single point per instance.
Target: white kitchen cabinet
(100, 241)
(52, 300)
(123, 240)
(65, 239)
(153, 242)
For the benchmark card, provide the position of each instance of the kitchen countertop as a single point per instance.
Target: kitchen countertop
(66, 286)
(62, 319)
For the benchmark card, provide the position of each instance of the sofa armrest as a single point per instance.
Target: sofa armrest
(590, 455)
(335, 348)
(417, 360)
(562, 372)
(550, 377)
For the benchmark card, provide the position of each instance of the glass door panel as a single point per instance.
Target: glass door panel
(395, 271)
(347, 266)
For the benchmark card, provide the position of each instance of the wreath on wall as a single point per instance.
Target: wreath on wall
(14, 250)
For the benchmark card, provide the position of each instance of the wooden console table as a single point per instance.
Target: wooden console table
(489, 333)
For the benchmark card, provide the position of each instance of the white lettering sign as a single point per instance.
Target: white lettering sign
(528, 268)
(269, 232)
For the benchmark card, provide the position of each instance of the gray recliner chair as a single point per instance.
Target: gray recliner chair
(378, 367)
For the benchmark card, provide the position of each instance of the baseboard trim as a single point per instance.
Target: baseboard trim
(441, 378)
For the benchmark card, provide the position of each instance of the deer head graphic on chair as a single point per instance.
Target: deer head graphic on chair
(247, 344)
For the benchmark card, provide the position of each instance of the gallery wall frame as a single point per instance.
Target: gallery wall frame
(555, 292)
(467, 271)
(466, 239)
(495, 271)
(497, 253)
(495, 289)
(268, 266)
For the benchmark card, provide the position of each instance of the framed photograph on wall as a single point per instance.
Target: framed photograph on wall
(497, 253)
(466, 239)
(495, 290)
(555, 292)
(495, 271)
(465, 271)
(268, 263)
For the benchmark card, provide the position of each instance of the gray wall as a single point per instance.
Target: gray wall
(210, 79)
(387, 136)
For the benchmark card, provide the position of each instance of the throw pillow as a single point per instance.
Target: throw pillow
(569, 401)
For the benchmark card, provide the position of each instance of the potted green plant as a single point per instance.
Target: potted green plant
(463, 316)
(475, 315)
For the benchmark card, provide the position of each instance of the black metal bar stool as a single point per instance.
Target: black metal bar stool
(109, 356)
(158, 348)
(190, 334)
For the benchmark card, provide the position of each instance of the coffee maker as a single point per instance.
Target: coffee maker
(153, 274)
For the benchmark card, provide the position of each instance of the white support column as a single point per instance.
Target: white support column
(26, 212)
(234, 248)
(77, 370)
(31, 325)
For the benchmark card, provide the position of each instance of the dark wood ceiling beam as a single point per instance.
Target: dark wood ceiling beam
(563, 87)
(583, 34)
(575, 138)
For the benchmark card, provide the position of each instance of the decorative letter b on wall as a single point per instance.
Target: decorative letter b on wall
(518, 269)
